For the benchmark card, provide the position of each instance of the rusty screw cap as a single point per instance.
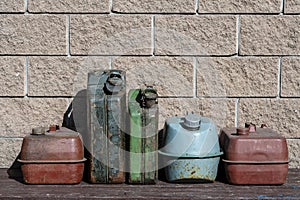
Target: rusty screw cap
(53, 128)
(38, 131)
(242, 131)
(150, 96)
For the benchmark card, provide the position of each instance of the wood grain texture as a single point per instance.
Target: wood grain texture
(162, 190)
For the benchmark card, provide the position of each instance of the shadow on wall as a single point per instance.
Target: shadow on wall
(14, 172)
(75, 118)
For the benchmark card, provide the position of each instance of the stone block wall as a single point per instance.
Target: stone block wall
(231, 60)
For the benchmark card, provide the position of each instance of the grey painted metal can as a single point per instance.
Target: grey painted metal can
(191, 149)
(105, 145)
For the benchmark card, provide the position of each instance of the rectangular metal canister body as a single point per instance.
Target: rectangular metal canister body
(54, 157)
(259, 157)
(143, 142)
(106, 115)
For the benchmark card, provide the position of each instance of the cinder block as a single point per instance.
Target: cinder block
(61, 76)
(270, 35)
(68, 6)
(220, 110)
(33, 34)
(195, 35)
(9, 151)
(12, 75)
(9, 6)
(19, 115)
(281, 115)
(110, 35)
(294, 152)
(241, 6)
(237, 77)
(290, 77)
(292, 6)
(172, 76)
(154, 6)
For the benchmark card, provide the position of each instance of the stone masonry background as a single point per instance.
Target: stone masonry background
(251, 50)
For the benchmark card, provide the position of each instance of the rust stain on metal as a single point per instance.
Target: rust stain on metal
(56, 157)
(106, 120)
(260, 157)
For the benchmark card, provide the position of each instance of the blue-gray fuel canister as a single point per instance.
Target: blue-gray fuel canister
(191, 149)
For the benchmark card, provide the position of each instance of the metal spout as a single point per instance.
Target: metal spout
(149, 97)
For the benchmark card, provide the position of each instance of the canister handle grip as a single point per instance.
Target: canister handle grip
(251, 126)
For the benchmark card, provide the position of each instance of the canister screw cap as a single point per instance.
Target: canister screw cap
(192, 121)
(38, 131)
(149, 97)
(243, 131)
(53, 128)
(114, 82)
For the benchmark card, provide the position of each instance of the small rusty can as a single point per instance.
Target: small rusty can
(55, 156)
(143, 144)
(254, 155)
(191, 151)
(106, 119)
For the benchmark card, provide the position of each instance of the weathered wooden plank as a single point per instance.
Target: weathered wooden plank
(12, 189)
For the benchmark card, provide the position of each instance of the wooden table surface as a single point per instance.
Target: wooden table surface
(13, 188)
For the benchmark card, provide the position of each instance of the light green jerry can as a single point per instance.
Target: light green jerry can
(106, 119)
(143, 144)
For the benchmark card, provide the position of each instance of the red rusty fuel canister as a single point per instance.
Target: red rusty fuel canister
(254, 155)
(55, 156)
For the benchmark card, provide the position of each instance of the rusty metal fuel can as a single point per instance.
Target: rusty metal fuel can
(191, 150)
(106, 119)
(254, 155)
(55, 156)
(143, 144)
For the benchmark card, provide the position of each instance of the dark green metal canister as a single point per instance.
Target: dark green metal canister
(105, 145)
(143, 144)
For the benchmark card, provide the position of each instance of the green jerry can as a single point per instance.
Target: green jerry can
(143, 144)
(106, 119)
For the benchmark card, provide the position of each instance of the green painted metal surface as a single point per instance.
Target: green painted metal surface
(106, 102)
(143, 144)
